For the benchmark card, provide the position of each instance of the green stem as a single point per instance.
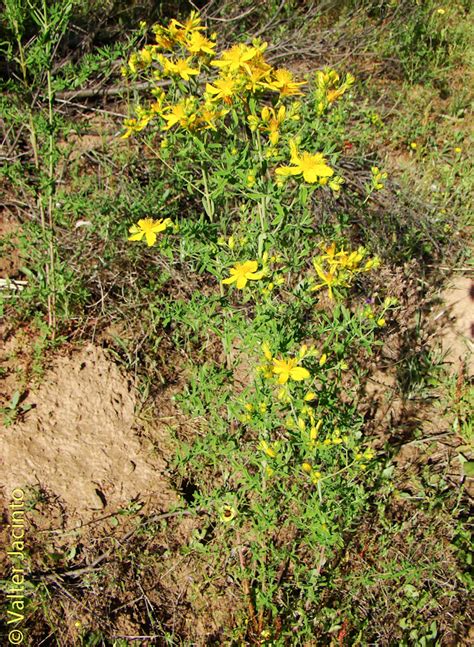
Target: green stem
(173, 170)
(51, 190)
(207, 200)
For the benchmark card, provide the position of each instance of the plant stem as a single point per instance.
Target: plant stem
(51, 189)
(207, 200)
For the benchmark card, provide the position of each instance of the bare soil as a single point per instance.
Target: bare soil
(80, 441)
(457, 317)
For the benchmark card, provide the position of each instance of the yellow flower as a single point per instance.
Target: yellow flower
(326, 78)
(228, 513)
(343, 266)
(254, 122)
(328, 279)
(208, 116)
(199, 44)
(314, 431)
(266, 351)
(146, 56)
(236, 58)
(162, 38)
(329, 88)
(284, 84)
(336, 183)
(242, 273)
(288, 369)
(180, 67)
(181, 31)
(181, 113)
(269, 450)
(134, 126)
(132, 63)
(192, 24)
(378, 177)
(157, 106)
(272, 121)
(311, 167)
(257, 73)
(307, 467)
(223, 89)
(149, 228)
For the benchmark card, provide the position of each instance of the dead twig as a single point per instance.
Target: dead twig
(100, 91)
(90, 108)
(77, 572)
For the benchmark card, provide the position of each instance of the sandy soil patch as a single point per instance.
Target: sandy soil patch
(80, 441)
(457, 316)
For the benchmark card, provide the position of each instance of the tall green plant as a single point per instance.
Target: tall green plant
(34, 60)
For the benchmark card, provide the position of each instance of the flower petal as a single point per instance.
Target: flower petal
(241, 282)
(255, 276)
(322, 275)
(299, 373)
(266, 351)
(310, 175)
(287, 170)
(150, 238)
(323, 170)
(161, 225)
(294, 155)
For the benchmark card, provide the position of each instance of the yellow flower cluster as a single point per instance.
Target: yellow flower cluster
(181, 52)
(378, 178)
(314, 475)
(339, 268)
(361, 457)
(329, 88)
(269, 122)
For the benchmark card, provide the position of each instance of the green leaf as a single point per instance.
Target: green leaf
(15, 399)
(468, 468)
